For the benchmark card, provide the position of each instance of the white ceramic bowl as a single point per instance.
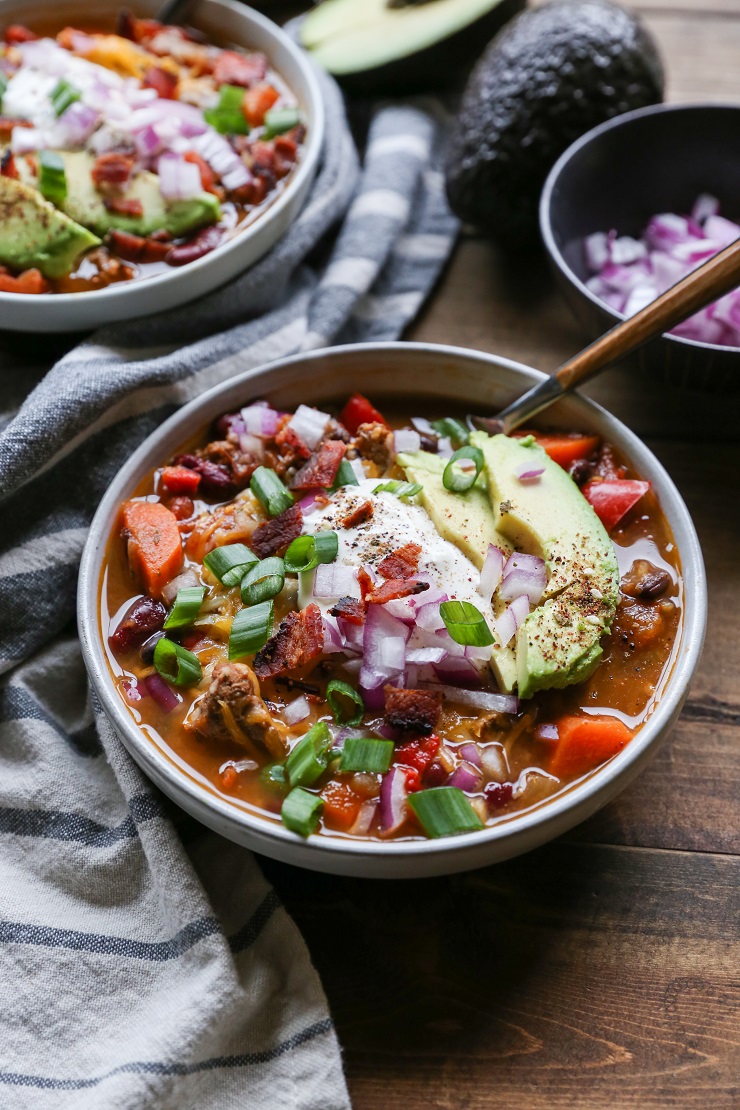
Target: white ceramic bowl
(224, 22)
(417, 374)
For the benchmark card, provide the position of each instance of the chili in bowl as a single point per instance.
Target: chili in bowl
(358, 636)
(137, 154)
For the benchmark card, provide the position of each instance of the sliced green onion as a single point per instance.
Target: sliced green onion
(300, 812)
(465, 623)
(444, 811)
(345, 476)
(263, 581)
(228, 117)
(270, 491)
(175, 663)
(306, 552)
(250, 629)
(363, 753)
(310, 757)
(336, 693)
(450, 428)
(230, 563)
(3, 87)
(274, 776)
(280, 120)
(63, 94)
(403, 490)
(458, 480)
(185, 609)
(52, 178)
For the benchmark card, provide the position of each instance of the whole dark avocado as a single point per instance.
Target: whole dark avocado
(549, 76)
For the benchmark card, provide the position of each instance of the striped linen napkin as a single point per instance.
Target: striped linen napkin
(145, 961)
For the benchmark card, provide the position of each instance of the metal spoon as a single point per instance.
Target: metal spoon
(700, 288)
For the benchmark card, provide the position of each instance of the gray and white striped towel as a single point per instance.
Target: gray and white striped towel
(145, 961)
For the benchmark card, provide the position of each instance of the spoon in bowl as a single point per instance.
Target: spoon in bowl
(709, 282)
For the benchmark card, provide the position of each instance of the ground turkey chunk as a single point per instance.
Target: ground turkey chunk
(232, 709)
(374, 442)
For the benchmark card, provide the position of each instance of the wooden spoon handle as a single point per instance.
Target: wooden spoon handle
(708, 283)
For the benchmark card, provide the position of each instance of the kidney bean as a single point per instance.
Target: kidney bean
(146, 651)
(202, 243)
(140, 620)
(182, 507)
(498, 794)
(646, 581)
(215, 479)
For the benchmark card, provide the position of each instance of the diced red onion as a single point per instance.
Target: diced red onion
(457, 672)
(494, 763)
(178, 179)
(187, 578)
(384, 647)
(239, 765)
(466, 778)
(546, 732)
(222, 158)
(333, 640)
(24, 140)
(523, 574)
(481, 699)
(75, 125)
(529, 471)
(512, 617)
(297, 710)
(134, 691)
(422, 425)
(253, 416)
(365, 818)
(429, 618)
(628, 274)
(393, 804)
(310, 503)
(402, 608)
(309, 424)
(492, 571)
(162, 693)
(470, 753)
(334, 580)
(445, 449)
(358, 469)
(419, 656)
(251, 445)
(406, 440)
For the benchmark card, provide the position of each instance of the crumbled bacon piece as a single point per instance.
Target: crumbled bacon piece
(273, 537)
(286, 150)
(215, 480)
(412, 710)
(112, 171)
(207, 176)
(135, 248)
(290, 444)
(321, 469)
(162, 81)
(350, 609)
(365, 582)
(232, 68)
(395, 588)
(138, 30)
(402, 563)
(358, 515)
(123, 206)
(298, 640)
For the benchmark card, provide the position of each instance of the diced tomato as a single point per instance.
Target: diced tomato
(16, 32)
(341, 806)
(180, 479)
(612, 499)
(207, 176)
(564, 449)
(413, 780)
(162, 81)
(358, 410)
(30, 281)
(417, 753)
(586, 742)
(257, 101)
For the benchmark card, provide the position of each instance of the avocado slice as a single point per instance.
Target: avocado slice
(401, 45)
(559, 643)
(33, 233)
(84, 204)
(551, 75)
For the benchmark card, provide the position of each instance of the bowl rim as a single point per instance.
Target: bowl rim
(311, 151)
(553, 812)
(546, 206)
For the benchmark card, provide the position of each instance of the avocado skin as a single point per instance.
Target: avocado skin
(548, 78)
(443, 65)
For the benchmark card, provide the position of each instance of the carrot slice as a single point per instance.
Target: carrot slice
(565, 449)
(585, 743)
(154, 547)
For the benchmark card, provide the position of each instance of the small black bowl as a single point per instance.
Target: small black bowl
(657, 159)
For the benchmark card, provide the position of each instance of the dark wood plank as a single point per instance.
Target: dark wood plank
(577, 976)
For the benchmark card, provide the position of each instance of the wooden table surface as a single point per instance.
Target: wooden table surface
(604, 969)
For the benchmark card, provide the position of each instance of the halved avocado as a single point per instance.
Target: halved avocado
(397, 46)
